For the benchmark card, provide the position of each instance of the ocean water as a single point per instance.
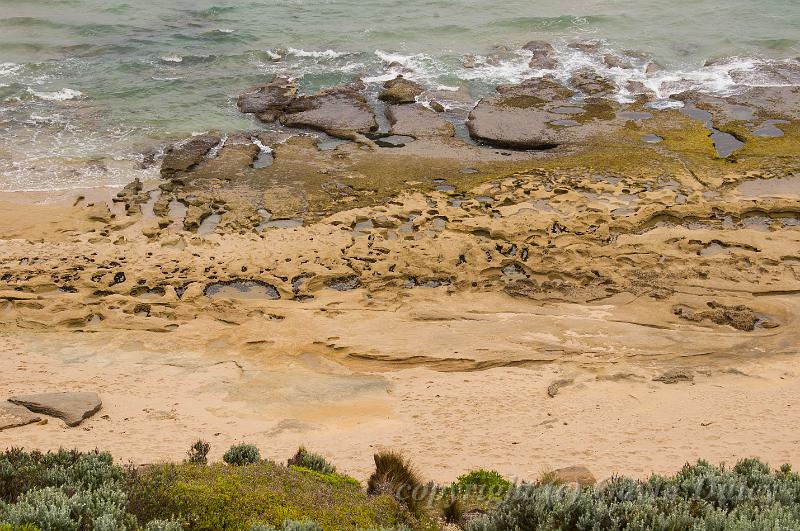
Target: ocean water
(88, 88)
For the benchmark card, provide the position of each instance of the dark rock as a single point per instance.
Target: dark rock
(543, 55)
(340, 111)
(521, 117)
(586, 46)
(553, 388)
(539, 47)
(591, 83)
(14, 416)
(400, 90)
(270, 100)
(184, 156)
(653, 67)
(470, 61)
(417, 121)
(436, 106)
(739, 317)
(71, 407)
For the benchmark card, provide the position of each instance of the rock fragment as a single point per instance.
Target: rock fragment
(71, 407)
(14, 416)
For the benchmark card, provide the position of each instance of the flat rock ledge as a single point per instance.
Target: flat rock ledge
(71, 407)
(14, 416)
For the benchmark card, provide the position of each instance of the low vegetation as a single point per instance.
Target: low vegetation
(77, 491)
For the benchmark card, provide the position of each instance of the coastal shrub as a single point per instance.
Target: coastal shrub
(198, 453)
(289, 525)
(62, 490)
(304, 458)
(699, 497)
(24, 527)
(163, 525)
(485, 483)
(242, 454)
(235, 498)
(396, 476)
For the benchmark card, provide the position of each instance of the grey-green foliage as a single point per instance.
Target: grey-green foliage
(290, 525)
(62, 491)
(699, 497)
(313, 461)
(163, 525)
(242, 454)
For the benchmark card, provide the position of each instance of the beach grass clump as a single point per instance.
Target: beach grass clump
(235, 498)
(242, 454)
(305, 459)
(748, 496)
(289, 525)
(198, 453)
(396, 476)
(480, 482)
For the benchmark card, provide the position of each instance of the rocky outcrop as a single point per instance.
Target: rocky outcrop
(417, 121)
(400, 90)
(71, 407)
(535, 114)
(340, 111)
(591, 83)
(544, 55)
(674, 376)
(739, 317)
(14, 416)
(268, 101)
(188, 154)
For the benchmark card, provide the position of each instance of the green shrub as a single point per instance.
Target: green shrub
(482, 483)
(62, 490)
(229, 498)
(289, 525)
(304, 458)
(396, 476)
(198, 453)
(24, 527)
(747, 497)
(163, 525)
(242, 454)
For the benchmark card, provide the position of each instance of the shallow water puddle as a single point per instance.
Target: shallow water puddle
(769, 129)
(242, 289)
(770, 187)
(724, 143)
(177, 213)
(147, 207)
(394, 141)
(265, 156)
(209, 224)
(565, 123)
(652, 139)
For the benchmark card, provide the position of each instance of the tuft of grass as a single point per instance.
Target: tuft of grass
(396, 476)
(242, 454)
(235, 498)
(305, 459)
(198, 453)
(485, 483)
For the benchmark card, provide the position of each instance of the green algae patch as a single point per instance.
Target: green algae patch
(225, 498)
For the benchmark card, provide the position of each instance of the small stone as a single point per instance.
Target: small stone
(14, 416)
(674, 376)
(576, 475)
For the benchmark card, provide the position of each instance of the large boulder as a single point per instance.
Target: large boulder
(544, 55)
(340, 111)
(268, 101)
(71, 407)
(13, 416)
(184, 156)
(417, 121)
(400, 90)
(536, 114)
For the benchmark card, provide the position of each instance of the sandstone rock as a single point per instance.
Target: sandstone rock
(188, 154)
(553, 388)
(543, 55)
(530, 116)
(14, 416)
(575, 475)
(674, 376)
(339, 111)
(591, 83)
(14, 295)
(739, 317)
(653, 67)
(400, 90)
(470, 61)
(539, 47)
(417, 121)
(268, 101)
(436, 106)
(71, 407)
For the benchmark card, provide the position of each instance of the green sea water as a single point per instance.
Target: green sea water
(92, 80)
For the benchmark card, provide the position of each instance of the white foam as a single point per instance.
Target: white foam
(8, 68)
(324, 54)
(172, 58)
(59, 95)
